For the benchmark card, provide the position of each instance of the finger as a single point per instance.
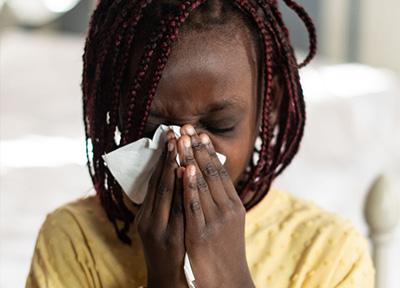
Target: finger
(165, 190)
(137, 219)
(194, 215)
(170, 134)
(208, 169)
(186, 154)
(176, 211)
(148, 202)
(146, 208)
(223, 174)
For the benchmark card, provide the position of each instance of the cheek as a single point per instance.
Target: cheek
(238, 148)
(236, 163)
(238, 152)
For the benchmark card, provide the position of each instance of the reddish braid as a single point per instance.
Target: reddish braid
(116, 29)
(302, 13)
(264, 154)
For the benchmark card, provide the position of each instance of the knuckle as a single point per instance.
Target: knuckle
(189, 158)
(196, 145)
(222, 173)
(163, 190)
(202, 184)
(210, 170)
(195, 206)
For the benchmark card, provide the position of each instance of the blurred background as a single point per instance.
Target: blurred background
(353, 132)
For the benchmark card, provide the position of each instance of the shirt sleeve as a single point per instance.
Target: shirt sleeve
(61, 257)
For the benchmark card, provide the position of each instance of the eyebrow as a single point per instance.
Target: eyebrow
(212, 108)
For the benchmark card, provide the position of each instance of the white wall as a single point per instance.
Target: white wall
(377, 33)
(333, 39)
(380, 33)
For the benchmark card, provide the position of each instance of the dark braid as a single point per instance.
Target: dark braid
(302, 13)
(149, 29)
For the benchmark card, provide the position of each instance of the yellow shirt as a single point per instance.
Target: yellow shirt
(289, 243)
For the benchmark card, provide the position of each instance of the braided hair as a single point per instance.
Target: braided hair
(149, 29)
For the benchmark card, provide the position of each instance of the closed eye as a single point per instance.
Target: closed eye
(217, 130)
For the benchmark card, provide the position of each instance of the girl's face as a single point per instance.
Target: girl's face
(210, 82)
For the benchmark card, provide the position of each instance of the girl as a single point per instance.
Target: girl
(225, 71)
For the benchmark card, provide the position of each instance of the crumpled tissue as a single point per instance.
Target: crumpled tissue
(132, 166)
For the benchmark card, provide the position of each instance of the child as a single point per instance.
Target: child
(230, 79)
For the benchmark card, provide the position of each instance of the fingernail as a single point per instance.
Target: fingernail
(186, 142)
(170, 136)
(170, 146)
(190, 130)
(204, 139)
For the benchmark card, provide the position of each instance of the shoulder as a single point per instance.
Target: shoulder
(63, 248)
(81, 208)
(72, 217)
(77, 247)
(74, 222)
(319, 246)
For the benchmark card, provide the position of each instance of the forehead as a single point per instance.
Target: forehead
(204, 70)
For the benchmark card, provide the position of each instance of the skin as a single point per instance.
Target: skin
(224, 68)
(208, 85)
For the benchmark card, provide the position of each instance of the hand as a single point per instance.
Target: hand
(214, 217)
(160, 223)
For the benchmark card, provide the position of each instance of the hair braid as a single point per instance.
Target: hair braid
(264, 158)
(174, 26)
(302, 13)
(101, 140)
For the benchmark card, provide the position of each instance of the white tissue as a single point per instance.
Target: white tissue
(132, 166)
(187, 269)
